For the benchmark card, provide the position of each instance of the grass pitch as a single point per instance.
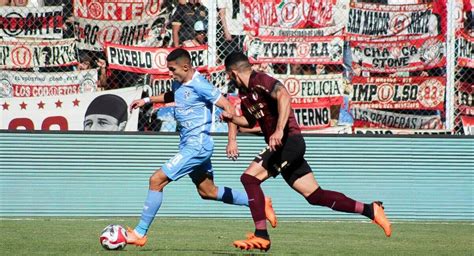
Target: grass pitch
(179, 236)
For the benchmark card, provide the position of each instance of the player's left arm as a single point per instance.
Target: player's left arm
(232, 149)
(283, 98)
(212, 94)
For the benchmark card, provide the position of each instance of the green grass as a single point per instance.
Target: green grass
(175, 236)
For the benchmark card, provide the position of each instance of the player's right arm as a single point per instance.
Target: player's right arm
(162, 98)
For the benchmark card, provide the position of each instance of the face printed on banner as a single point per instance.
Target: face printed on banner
(255, 48)
(107, 112)
(46, 55)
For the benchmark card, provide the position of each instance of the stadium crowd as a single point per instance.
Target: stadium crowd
(185, 23)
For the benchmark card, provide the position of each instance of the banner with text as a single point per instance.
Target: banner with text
(301, 32)
(303, 87)
(149, 60)
(465, 49)
(380, 20)
(398, 92)
(65, 112)
(400, 131)
(313, 116)
(371, 118)
(94, 34)
(37, 53)
(279, 49)
(407, 55)
(288, 14)
(116, 10)
(37, 22)
(29, 84)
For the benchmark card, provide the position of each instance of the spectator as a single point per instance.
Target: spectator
(27, 3)
(159, 35)
(231, 18)
(107, 112)
(183, 19)
(200, 35)
(88, 62)
(255, 48)
(469, 18)
(4, 2)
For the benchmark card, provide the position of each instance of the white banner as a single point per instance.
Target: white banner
(94, 34)
(67, 112)
(37, 53)
(400, 131)
(380, 118)
(301, 86)
(304, 32)
(281, 49)
(37, 22)
(29, 84)
(380, 20)
(149, 60)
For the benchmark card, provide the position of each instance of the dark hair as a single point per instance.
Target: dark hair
(159, 22)
(234, 58)
(179, 53)
(109, 104)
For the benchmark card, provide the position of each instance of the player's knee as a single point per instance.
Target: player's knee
(157, 181)
(316, 197)
(249, 180)
(208, 194)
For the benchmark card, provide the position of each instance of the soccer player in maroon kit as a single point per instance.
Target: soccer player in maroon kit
(265, 100)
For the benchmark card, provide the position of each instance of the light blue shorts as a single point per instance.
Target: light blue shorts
(189, 159)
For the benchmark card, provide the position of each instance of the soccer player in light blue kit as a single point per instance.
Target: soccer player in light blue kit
(194, 97)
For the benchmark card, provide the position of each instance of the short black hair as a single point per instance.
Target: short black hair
(179, 53)
(235, 58)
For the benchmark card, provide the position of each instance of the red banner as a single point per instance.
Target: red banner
(314, 115)
(288, 14)
(468, 124)
(116, 9)
(465, 49)
(398, 92)
(406, 55)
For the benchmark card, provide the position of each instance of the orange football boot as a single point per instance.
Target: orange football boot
(270, 213)
(253, 242)
(380, 218)
(134, 239)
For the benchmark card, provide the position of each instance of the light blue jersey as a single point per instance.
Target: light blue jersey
(193, 113)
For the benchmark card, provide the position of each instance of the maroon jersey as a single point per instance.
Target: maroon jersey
(258, 104)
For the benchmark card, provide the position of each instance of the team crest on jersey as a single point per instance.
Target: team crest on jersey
(255, 96)
(187, 94)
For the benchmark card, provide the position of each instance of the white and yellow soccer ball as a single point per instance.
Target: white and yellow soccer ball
(113, 237)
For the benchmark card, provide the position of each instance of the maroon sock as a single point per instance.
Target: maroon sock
(335, 200)
(256, 200)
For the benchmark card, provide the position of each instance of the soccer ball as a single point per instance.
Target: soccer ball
(113, 237)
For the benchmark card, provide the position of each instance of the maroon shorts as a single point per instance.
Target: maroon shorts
(287, 160)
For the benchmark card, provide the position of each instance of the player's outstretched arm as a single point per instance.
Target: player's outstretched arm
(162, 98)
